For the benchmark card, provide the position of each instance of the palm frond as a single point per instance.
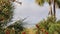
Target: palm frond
(58, 3)
(40, 2)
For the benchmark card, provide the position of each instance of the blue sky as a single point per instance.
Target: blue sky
(31, 9)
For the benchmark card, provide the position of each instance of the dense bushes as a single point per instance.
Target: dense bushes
(6, 11)
(49, 25)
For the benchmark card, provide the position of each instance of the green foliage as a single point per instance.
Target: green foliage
(40, 2)
(58, 21)
(53, 28)
(58, 3)
(6, 14)
(17, 26)
(5, 11)
(50, 25)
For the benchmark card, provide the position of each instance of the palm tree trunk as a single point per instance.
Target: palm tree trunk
(54, 9)
(50, 11)
(50, 7)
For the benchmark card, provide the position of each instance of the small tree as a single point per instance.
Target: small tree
(55, 3)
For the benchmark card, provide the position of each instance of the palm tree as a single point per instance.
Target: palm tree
(52, 9)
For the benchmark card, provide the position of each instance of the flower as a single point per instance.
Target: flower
(7, 32)
(46, 32)
(23, 32)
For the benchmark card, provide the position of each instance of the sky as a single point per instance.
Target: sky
(33, 11)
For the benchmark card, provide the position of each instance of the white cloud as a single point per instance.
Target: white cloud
(31, 9)
(35, 12)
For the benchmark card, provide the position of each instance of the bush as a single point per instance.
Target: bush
(49, 25)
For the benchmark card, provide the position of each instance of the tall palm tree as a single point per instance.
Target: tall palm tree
(53, 2)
